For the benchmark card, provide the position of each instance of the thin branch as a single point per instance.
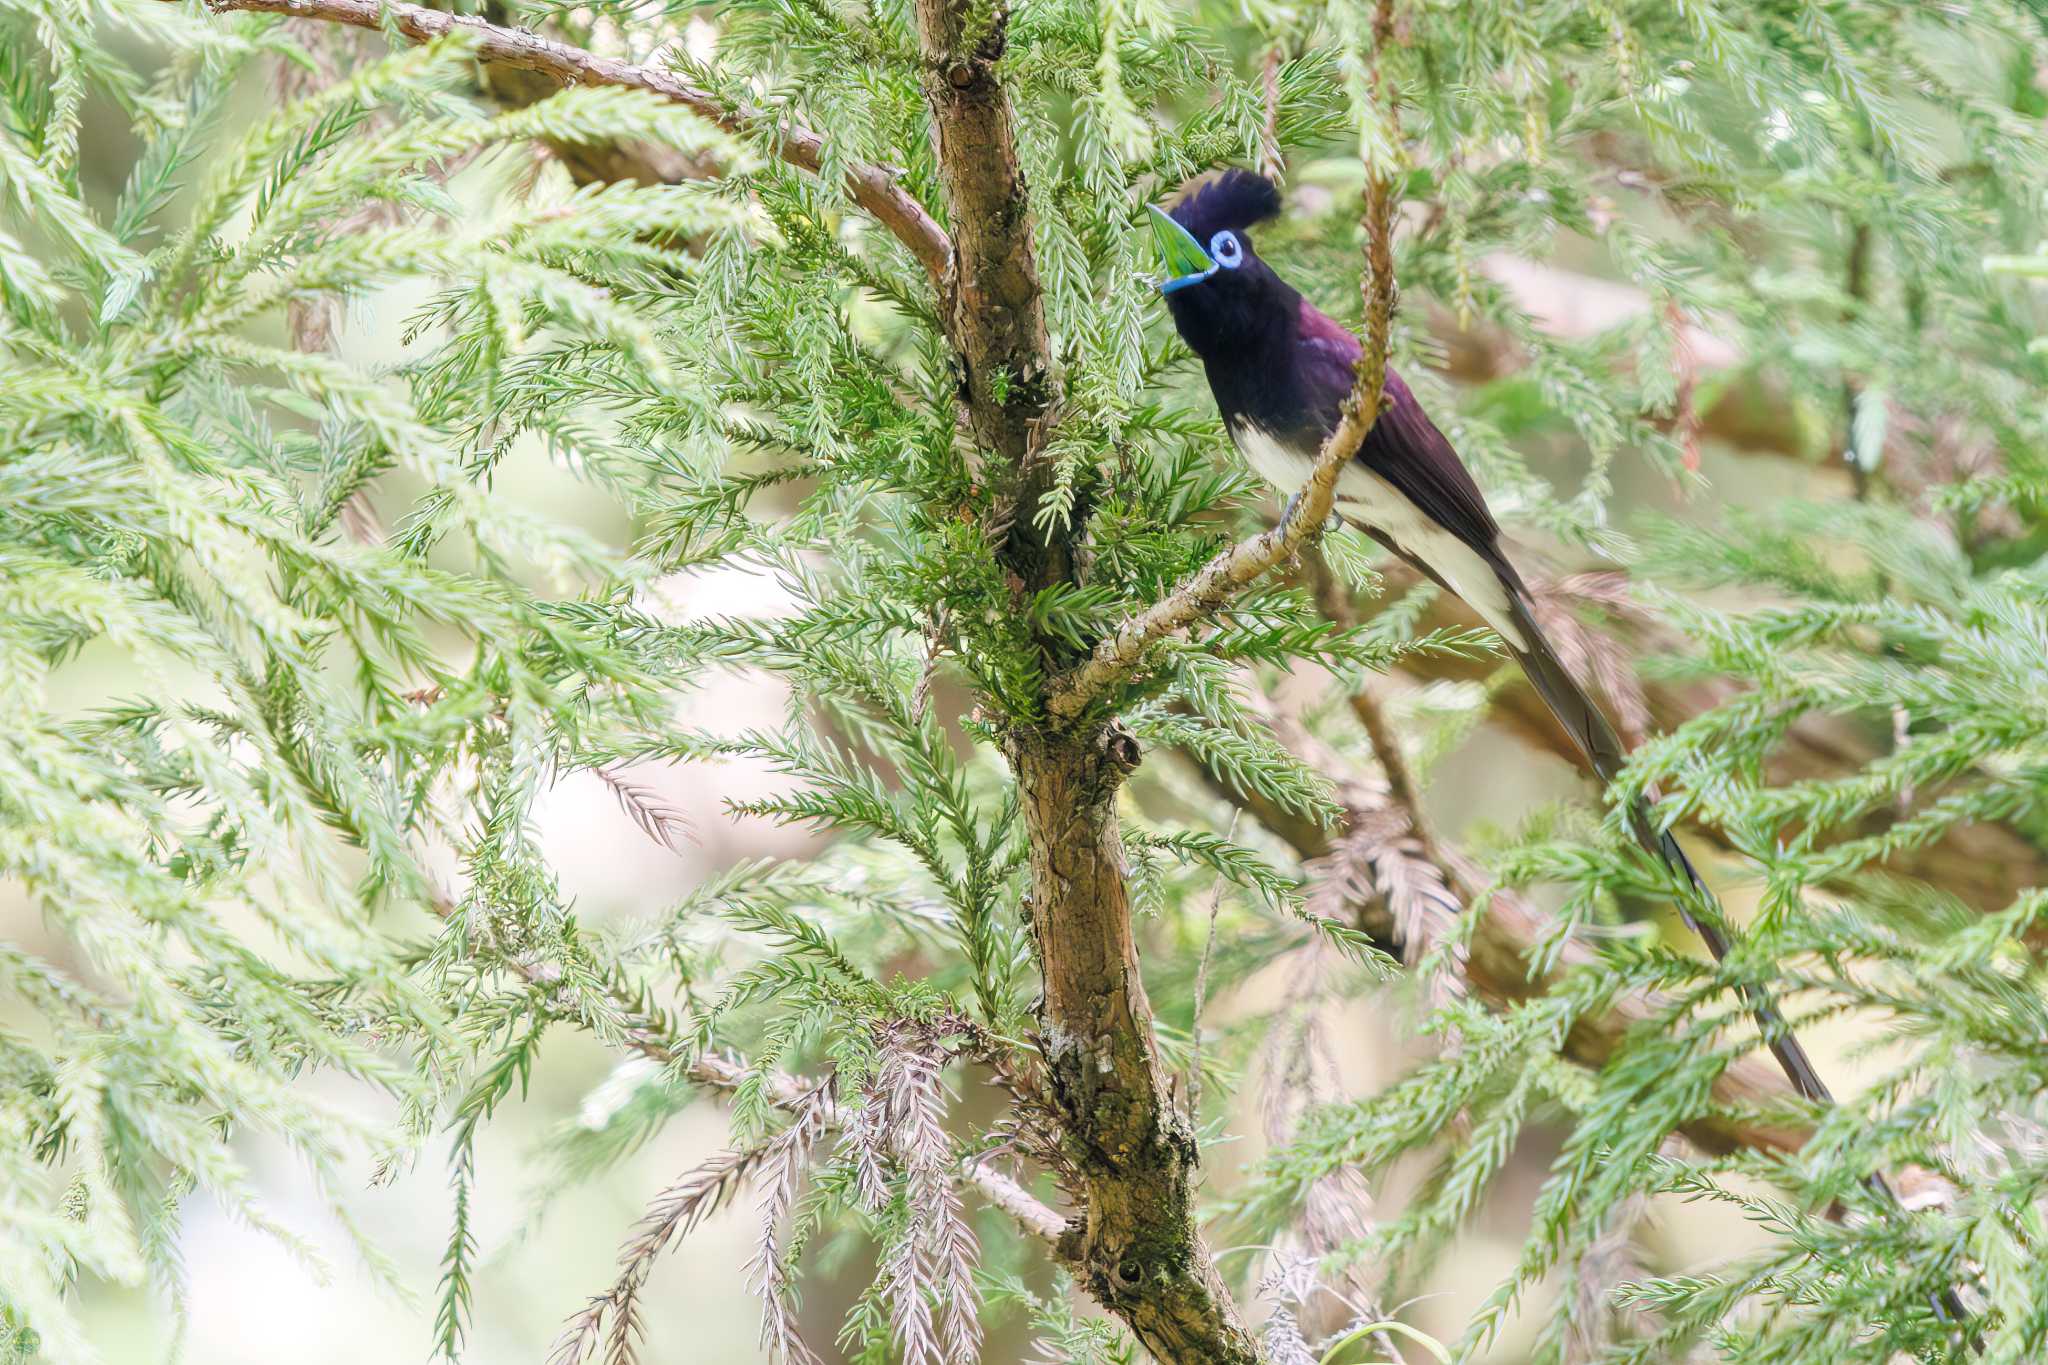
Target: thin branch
(1982, 863)
(1334, 601)
(650, 1036)
(872, 187)
(1032, 1214)
(1271, 162)
(1236, 568)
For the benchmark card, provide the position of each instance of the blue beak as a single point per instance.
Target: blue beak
(1182, 256)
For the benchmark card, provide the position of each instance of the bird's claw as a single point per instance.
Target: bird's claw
(1333, 523)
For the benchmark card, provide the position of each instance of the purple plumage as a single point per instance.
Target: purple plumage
(1280, 371)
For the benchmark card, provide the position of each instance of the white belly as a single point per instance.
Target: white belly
(1369, 500)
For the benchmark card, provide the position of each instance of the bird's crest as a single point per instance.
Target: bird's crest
(1231, 199)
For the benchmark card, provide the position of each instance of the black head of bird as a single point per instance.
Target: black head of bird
(1223, 298)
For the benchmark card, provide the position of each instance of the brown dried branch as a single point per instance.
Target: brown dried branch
(874, 188)
(933, 1261)
(658, 818)
(785, 1159)
(1609, 1261)
(1298, 1072)
(674, 1214)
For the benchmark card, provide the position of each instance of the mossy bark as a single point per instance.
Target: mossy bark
(1133, 1240)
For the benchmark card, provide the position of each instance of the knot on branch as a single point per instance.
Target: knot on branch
(1132, 1268)
(1120, 746)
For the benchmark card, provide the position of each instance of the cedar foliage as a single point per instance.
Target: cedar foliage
(351, 662)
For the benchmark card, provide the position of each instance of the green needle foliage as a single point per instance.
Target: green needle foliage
(300, 837)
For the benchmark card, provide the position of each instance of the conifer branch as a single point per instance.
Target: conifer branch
(961, 493)
(649, 1035)
(1504, 941)
(1983, 863)
(1335, 603)
(1136, 1245)
(872, 187)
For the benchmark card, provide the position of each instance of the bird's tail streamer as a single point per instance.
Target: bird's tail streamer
(1589, 729)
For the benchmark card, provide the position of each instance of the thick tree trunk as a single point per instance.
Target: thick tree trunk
(1135, 1242)
(1134, 1239)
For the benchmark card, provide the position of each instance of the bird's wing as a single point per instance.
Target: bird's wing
(1404, 447)
(1407, 486)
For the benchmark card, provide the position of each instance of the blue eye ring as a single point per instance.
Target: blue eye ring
(1226, 250)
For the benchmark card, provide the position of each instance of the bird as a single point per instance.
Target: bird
(1281, 370)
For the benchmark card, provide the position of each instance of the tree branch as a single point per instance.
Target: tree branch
(872, 187)
(1502, 947)
(1983, 864)
(1333, 599)
(1132, 1155)
(648, 1035)
(611, 161)
(1237, 567)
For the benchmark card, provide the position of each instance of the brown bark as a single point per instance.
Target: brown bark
(594, 163)
(993, 306)
(1134, 1240)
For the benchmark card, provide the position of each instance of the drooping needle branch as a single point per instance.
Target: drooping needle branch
(872, 187)
(649, 1035)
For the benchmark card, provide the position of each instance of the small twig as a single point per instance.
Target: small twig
(874, 188)
(1335, 604)
(1202, 993)
(1271, 164)
(1863, 466)
(936, 632)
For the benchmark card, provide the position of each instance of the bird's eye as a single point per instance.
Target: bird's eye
(1226, 250)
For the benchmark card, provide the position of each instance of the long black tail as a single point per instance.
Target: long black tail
(1596, 739)
(1584, 721)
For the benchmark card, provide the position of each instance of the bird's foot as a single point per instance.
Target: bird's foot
(1331, 524)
